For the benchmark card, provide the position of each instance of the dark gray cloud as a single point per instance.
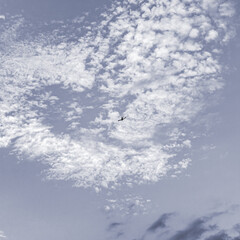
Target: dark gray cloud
(205, 227)
(200, 226)
(222, 236)
(223, 224)
(219, 236)
(160, 223)
(194, 230)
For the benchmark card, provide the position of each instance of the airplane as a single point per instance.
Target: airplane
(122, 118)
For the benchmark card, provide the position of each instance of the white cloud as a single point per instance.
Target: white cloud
(212, 35)
(2, 235)
(148, 64)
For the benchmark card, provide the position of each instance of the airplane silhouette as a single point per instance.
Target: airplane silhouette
(122, 118)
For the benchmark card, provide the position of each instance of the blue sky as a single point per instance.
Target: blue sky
(70, 70)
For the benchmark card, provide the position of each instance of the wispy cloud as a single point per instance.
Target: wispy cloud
(152, 62)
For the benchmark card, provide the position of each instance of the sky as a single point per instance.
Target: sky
(69, 169)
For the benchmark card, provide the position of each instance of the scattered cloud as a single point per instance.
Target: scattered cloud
(128, 205)
(62, 93)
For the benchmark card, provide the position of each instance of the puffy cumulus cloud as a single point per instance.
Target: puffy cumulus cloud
(63, 90)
